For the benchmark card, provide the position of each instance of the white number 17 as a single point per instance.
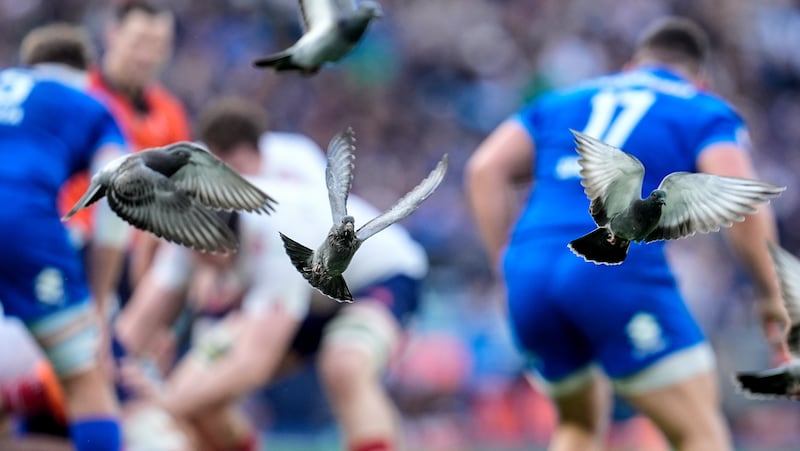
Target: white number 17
(612, 127)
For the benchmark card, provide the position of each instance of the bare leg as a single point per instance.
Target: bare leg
(583, 417)
(688, 413)
(351, 362)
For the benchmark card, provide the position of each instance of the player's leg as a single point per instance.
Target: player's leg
(355, 350)
(557, 350)
(686, 410)
(651, 347)
(69, 338)
(221, 427)
(582, 415)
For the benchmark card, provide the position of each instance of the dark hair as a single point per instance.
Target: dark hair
(149, 7)
(675, 40)
(57, 43)
(230, 121)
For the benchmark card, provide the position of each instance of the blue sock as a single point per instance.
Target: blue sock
(96, 434)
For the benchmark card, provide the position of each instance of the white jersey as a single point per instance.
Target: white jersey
(303, 214)
(291, 156)
(262, 266)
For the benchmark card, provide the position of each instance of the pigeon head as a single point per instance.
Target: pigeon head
(659, 196)
(348, 228)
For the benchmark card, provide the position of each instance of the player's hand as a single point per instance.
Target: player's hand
(775, 325)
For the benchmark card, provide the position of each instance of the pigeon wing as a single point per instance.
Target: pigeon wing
(407, 204)
(787, 267)
(611, 178)
(339, 172)
(215, 184)
(698, 202)
(318, 13)
(149, 201)
(344, 7)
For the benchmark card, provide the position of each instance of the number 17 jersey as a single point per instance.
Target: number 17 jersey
(650, 113)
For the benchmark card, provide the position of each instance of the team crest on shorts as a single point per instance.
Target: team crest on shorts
(49, 286)
(645, 334)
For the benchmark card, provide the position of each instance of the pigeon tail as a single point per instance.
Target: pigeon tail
(336, 289)
(92, 195)
(595, 247)
(279, 61)
(298, 254)
(765, 384)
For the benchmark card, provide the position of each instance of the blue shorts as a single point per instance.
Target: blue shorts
(43, 283)
(41, 273)
(567, 314)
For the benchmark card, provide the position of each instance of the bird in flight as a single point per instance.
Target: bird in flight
(332, 28)
(175, 192)
(784, 380)
(683, 204)
(323, 268)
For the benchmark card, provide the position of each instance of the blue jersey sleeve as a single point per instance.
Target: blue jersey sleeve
(528, 117)
(723, 126)
(104, 131)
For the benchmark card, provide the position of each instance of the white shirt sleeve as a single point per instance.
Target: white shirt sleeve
(274, 280)
(172, 266)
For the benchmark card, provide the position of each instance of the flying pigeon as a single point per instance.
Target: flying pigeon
(323, 268)
(175, 192)
(784, 380)
(683, 204)
(332, 30)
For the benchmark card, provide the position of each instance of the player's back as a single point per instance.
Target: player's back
(304, 215)
(47, 132)
(651, 113)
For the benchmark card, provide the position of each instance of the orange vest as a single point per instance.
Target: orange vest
(165, 122)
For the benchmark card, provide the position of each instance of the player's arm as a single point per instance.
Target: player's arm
(501, 162)
(200, 383)
(748, 239)
(111, 233)
(273, 309)
(156, 302)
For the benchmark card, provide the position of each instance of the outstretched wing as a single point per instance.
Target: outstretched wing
(151, 202)
(407, 204)
(215, 184)
(787, 267)
(318, 13)
(611, 178)
(339, 173)
(698, 202)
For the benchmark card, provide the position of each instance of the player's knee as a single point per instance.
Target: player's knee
(345, 368)
(69, 339)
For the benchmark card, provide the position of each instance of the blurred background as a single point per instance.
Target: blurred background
(436, 76)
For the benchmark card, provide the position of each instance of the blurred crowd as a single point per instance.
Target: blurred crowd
(435, 76)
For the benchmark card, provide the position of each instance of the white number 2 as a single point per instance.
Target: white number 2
(613, 127)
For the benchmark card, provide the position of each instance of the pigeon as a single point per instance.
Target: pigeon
(323, 268)
(176, 193)
(784, 380)
(332, 30)
(683, 204)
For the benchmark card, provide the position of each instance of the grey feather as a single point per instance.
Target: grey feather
(323, 267)
(174, 192)
(339, 172)
(332, 30)
(407, 204)
(682, 205)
